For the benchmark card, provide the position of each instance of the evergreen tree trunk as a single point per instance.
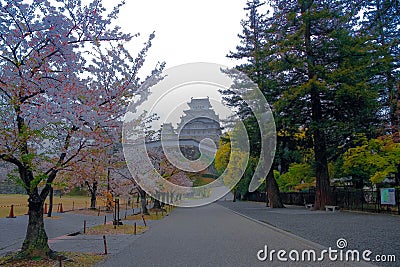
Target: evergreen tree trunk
(36, 240)
(272, 188)
(323, 190)
(395, 118)
(51, 194)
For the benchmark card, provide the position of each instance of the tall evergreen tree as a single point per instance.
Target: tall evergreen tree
(381, 24)
(251, 49)
(321, 68)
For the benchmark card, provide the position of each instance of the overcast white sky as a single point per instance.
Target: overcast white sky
(186, 31)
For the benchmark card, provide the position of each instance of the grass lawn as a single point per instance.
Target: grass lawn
(154, 215)
(108, 229)
(200, 181)
(20, 203)
(73, 259)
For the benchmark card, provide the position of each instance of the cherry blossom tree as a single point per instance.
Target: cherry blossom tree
(169, 172)
(65, 80)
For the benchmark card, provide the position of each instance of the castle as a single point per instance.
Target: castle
(198, 122)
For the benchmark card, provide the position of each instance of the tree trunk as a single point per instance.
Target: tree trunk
(36, 241)
(272, 188)
(157, 204)
(143, 201)
(234, 196)
(93, 201)
(323, 190)
(51, 194)
(93, 191)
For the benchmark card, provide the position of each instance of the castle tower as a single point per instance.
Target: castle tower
(199, 121)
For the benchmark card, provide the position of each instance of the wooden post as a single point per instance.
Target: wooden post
(144, 221)
(126, 208)
(105, 244)
(59, 261)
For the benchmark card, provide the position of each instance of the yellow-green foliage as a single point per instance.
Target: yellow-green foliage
(300, 176)
(373, 159)
(232, 163)
(222, 156)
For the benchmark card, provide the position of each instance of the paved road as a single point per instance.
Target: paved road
(379, 233)
(209, 236)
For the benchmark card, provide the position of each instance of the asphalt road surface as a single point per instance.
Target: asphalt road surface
(213, 236)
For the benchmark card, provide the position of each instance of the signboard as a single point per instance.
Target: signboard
(388, 196)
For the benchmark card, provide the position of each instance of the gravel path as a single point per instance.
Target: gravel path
(379, 233)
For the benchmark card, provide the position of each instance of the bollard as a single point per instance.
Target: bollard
(98, 213)
(45, 208)
(73, 205)
(105, 219)
(11, 215)
(61, 208)
(134, 229)
(84, 226)
(105, 245)
(59, 261)
(126, 209)
(144, 221)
